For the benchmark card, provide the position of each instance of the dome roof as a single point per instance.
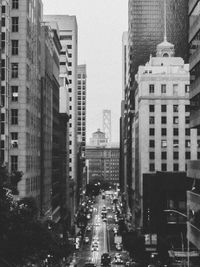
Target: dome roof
(165, 44)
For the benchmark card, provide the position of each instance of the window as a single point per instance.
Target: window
(176, 167)
(175, 143)
(65, 37)
(175, 155)
(151, 120)
(3, 9)
(151, 131)
(15, 4)
(163, 131)
(175, 120)
(14, 163)
(15, 24)
(151, 108)
(151, 88)
(187, 155)
(187, 108)
(163, 108)
(15, 45)
(3, 22)
(151, 143)
(14, 116)
(187, 120)
(163, 88)
(163, 143)
(187, 131)
(175, 108)
(198, 130)
(14, 70)
(163, 155)
(151, 155)
(14, 96)
(175, 131)
(198, 155)
(163, 119)
(187, 88)
(175, 89)
(164, 167)
(152, 167)
(14, 140)
(198, 143)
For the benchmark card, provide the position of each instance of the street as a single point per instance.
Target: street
(102, 233)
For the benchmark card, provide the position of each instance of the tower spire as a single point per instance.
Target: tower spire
(165, 21)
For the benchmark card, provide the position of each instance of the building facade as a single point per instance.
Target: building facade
(20, 92)
(68, 32)
(98, 139)
(162, 139)
(193, 196)
(103, 164)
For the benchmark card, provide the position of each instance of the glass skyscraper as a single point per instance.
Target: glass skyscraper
(146, 29)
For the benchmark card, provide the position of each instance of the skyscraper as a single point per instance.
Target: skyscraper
(68, 31)
(146, 29)
(20, 92)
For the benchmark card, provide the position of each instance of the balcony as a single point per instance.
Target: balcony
(194, 28)
(193, 235)
(193, 169)
(192, 4)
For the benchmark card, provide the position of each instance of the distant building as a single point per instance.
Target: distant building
(98, 139)
(107, 125)
(103, 164)
(161, 137)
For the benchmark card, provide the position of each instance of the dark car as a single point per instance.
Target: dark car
(105, 259)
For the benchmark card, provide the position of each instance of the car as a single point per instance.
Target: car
(105, 259)
(95, 248)
(118, 246)
(86, 240)
(89, 228)
(104, 219)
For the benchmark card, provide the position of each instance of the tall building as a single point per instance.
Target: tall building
(68, 32)
(81, 127)
(20, 92)
(124, 62)
(81, 104)
(145, 31)
(193, 196)
(161, 138)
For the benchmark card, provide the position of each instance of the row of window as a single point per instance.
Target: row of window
(164, 108)
(164, 89)
(164, 155)
(175, 131)
(15, 5)
(175, 143)
(163, 167)
(164, 120)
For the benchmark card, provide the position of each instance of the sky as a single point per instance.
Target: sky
(101, 24)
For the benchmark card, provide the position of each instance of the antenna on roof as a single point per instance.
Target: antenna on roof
(165, 21)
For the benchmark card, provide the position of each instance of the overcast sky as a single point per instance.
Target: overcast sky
(100, 27)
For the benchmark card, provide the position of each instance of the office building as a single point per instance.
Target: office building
(68, 32)
(193, 196)
(20, 92)
(103, 164)
(161, 137)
